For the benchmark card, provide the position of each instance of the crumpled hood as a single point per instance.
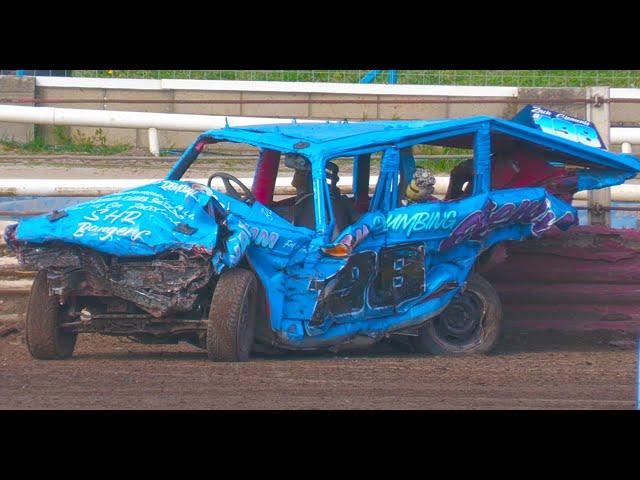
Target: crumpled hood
(141, 221)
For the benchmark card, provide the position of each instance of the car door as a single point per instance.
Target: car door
(351, 276)
(391, 258)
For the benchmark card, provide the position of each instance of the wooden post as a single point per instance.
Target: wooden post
(599, 114)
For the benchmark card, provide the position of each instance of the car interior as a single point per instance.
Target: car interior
(297, 206)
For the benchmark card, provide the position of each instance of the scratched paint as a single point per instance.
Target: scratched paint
(398, 265)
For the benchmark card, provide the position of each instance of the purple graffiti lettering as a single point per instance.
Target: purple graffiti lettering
(263, 238)
(479, 224)
(500, 215)
(543, 224)
(470, 227)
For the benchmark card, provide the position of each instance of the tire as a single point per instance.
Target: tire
(470, 324)
(232, 317)
(45, 340)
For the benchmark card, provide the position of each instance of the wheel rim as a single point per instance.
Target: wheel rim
(462, 322)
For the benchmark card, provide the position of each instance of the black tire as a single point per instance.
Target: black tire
(470, 324)
(45, 340)
(232, 317)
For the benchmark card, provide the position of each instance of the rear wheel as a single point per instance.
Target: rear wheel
(232, 317)
(44, 337)
(470, 324)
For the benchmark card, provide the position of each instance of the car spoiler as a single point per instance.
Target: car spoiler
(560, 125)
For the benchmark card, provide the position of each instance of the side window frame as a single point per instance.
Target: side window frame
(482, 160)
(481, 170)
(386, 194)
(321, 203)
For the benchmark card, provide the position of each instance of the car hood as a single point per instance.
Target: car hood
(142, 221)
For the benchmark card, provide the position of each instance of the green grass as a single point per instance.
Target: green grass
(436, 165)
(441, 165)
(76, 142)
(511, 78)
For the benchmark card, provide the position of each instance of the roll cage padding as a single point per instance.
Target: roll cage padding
(264, 179)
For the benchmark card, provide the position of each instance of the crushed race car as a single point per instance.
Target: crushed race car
(239, 270)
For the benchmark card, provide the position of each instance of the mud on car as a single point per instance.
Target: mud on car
(235, 269)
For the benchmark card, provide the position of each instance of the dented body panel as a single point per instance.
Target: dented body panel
(389, 271)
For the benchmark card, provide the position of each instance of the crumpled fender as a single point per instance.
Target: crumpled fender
(236, 244)
(146, 220)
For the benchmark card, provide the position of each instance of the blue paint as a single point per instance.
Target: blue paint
(371, 75)
(560, 125)
(140, 221)
(307, 272)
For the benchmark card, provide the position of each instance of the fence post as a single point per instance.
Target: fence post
(154, 145)
(599, 114)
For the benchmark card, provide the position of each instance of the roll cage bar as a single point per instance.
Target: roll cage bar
(386, 193)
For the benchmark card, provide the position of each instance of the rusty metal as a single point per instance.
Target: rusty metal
(169, 283)
(125, 326)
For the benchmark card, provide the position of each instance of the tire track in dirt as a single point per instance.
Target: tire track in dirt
(533, 371)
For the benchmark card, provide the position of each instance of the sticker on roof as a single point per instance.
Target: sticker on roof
(560, 125)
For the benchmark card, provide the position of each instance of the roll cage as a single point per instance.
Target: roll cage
(321, 143)
(397, 165)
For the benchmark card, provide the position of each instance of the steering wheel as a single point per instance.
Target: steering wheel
(246, 196)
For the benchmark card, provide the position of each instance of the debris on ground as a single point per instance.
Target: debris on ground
(7, 330)
(624, 344)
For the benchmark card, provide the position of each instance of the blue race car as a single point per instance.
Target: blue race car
(243, 269)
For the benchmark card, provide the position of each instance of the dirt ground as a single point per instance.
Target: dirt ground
(536, 370)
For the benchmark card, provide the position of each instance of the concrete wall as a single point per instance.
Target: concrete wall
(501, 106)
(13, 88)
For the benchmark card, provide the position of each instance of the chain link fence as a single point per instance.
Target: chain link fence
(510, 78)
(507, 78)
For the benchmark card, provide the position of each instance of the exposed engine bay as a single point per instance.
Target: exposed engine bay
(171, 282)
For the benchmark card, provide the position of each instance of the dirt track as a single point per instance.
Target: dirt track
(539, 370)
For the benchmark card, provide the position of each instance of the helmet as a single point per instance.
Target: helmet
(421, 186)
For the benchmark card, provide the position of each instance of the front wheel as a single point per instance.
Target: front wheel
(232, 317)
(470, 323)
(44, 337)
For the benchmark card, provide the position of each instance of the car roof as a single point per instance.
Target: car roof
(331, 139)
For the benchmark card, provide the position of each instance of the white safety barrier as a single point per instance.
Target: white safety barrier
(278, 87)
(625, 135)
(110, 118)
(98, 187)
(174, 121)
(199, 123)
(78, 117)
